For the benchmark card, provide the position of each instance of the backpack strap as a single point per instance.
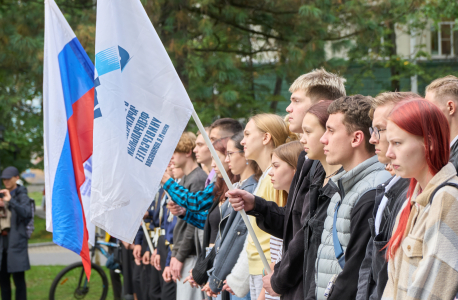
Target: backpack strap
(439, 187)
(338, 250)
(335, 239)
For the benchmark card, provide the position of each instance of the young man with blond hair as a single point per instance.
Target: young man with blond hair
(310, 88)
(444, 93)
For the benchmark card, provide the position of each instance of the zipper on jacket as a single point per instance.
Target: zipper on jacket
(219, 225)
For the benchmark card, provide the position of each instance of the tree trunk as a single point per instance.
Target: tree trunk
(395, 84)
(277, 91)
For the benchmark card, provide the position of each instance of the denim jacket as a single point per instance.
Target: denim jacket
(229, 246)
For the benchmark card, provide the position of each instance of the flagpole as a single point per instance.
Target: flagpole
(231, 187)
(148, 237)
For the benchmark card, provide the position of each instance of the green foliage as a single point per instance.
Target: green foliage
(235, 57)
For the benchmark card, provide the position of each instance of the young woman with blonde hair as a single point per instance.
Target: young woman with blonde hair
(262, 134)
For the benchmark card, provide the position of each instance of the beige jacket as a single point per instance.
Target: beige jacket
(425, 266)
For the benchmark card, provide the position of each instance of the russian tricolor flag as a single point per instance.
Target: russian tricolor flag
(68, 104)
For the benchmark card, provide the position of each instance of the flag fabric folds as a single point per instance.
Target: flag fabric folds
(68, 105)
(141, 110)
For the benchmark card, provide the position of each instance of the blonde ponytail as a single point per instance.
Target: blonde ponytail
(276, 126)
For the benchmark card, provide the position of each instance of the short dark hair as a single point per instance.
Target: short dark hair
(356, 115)
(323, 92)
(228, 125)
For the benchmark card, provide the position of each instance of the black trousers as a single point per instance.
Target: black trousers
(149, 279)
(115, 280)
(5, 281)
(127, 271)
(168, 289)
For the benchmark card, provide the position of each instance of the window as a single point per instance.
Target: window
(444, 42)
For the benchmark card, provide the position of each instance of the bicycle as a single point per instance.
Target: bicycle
(72, 283)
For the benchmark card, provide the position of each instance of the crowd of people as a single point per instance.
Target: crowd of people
(350, 197)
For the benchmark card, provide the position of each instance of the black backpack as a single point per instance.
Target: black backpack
(30, 226)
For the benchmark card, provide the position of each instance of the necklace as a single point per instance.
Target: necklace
(332, 174)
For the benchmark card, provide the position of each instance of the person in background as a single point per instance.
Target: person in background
(389, 198)
(422, 251)
(221, 128)
(213, 225)
(15, 214)
(185, 248)
(150, 277)
(443, 92)
(202, 153)
(163, 253)
(232, 243)
(346, 231)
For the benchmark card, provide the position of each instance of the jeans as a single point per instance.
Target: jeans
(247, 297)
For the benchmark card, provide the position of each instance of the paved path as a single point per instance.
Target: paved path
(45, 254)
(49, 254)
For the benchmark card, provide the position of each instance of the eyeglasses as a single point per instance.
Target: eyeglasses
(377, 131)
(230, 153)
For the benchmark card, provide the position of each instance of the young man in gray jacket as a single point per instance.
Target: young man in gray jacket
(346, 234)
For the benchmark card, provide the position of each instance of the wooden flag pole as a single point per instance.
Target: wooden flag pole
(231, 187)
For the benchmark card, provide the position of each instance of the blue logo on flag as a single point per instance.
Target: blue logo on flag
(106, 61)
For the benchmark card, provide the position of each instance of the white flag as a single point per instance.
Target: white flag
(85, 191)
(141, 110)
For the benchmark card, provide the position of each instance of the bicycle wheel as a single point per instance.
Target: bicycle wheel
(71, 283)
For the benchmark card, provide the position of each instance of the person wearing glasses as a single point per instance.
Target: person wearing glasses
(390, 196)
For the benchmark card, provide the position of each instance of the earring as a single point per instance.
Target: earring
(247, 162)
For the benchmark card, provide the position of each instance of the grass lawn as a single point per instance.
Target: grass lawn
(39, 280)
(40, 235)
(37, 196)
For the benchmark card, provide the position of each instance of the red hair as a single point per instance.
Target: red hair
(421, 118)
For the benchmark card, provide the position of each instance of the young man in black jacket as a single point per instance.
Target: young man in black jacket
(286, 222)
(15, 214)
(390, 196)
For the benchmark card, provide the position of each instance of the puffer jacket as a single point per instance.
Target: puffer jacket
(356, 199)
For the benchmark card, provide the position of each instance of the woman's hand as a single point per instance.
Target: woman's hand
(227, 288)
(209, 291)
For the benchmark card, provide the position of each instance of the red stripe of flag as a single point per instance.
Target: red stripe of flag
(80, 130)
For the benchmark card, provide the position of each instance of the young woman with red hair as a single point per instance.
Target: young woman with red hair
(423, 250)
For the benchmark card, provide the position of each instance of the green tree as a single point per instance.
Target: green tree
(235, 57)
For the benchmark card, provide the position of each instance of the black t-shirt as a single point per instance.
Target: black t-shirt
(213, 219)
